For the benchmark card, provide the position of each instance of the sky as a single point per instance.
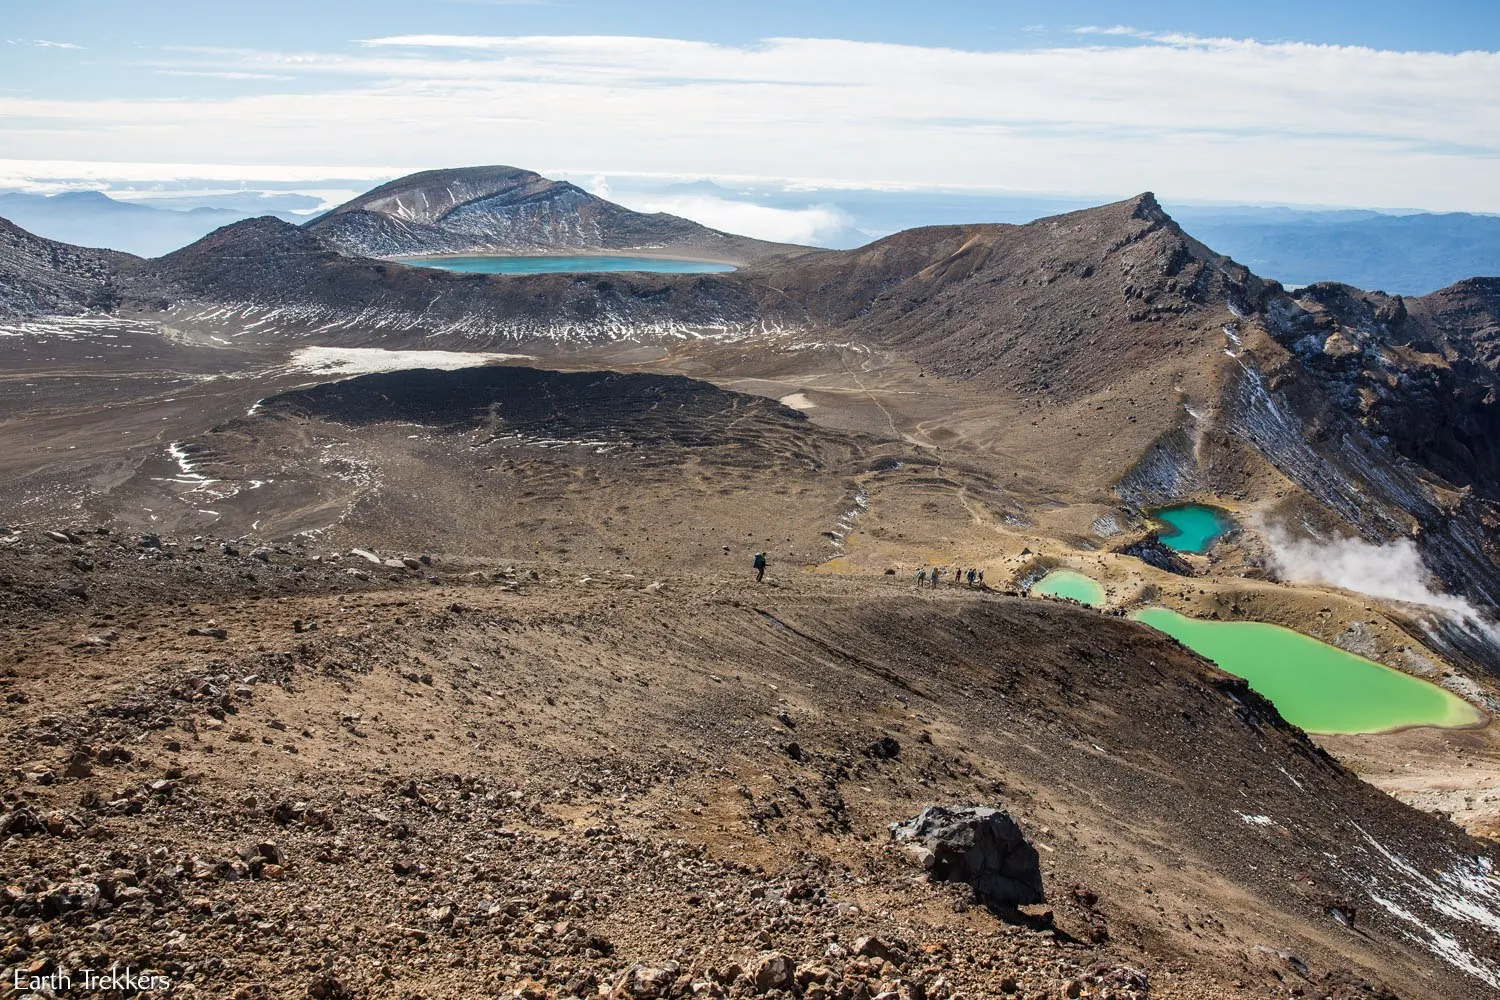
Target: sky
(1372, 104)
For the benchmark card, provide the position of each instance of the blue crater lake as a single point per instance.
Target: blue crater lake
(571, 265)
(1192, 527)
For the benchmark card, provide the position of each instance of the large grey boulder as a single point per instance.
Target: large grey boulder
(977, 845)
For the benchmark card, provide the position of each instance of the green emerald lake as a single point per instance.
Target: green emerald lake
(570, 265)
(1321, 688)
(1191, 527)
(1066, 583)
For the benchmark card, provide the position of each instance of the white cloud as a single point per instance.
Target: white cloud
(817, 225)
(333, 185)
(1124, 30)
(1208, 119)
(43, 43)
(223, 75)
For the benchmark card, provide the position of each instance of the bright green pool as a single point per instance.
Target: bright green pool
(1066, 583)
(1191, 527)
(1314, 685)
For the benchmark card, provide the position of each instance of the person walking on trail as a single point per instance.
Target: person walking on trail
(760, 566)
(937, 575)
(921, 575)
(971, 578)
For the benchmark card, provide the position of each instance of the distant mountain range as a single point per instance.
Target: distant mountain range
(93, 219)
(1399, 254)
(500, 209)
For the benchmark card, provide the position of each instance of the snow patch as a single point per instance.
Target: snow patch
(1465, 891)
(367, 360)
(1105, 526)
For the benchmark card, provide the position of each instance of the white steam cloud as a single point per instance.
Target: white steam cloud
(1393, 571)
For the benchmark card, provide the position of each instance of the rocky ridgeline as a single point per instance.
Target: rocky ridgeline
(63, 569)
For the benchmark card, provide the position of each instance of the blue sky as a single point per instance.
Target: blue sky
(110, 26)
(1374, 104)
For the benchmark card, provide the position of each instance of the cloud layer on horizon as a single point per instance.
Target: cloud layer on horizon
(1213, 119)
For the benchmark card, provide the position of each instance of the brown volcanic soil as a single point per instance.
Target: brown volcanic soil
(477, 784)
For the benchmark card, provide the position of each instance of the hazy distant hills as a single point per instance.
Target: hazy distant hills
(507, 210)
(93, 219)
(1400, 254)
(499, 209)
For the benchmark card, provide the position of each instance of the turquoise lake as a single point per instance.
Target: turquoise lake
(1192, 527)
(571, 265)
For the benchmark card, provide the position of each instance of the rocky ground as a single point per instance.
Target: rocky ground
(284, 771)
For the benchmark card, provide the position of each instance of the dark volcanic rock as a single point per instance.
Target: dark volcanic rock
(41, 277)
(609, 409)
(1151, 551)
(979, 846)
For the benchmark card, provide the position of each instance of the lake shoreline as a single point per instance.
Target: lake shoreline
(644, 254)
(1329, 711)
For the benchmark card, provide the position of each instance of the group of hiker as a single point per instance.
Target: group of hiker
(972, 577)
(925, 577)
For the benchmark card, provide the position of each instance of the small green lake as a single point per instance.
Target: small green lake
(571, 265)
(1319, 687)
(1191, 527)
(1066, 583)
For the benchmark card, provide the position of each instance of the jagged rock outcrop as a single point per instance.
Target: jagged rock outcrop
(1153, 552)
(976, 845)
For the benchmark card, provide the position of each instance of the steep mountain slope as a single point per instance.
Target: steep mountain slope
(40, 277)
(476, 210)
(1424, 372)
(1070, 300)
(511, 762)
